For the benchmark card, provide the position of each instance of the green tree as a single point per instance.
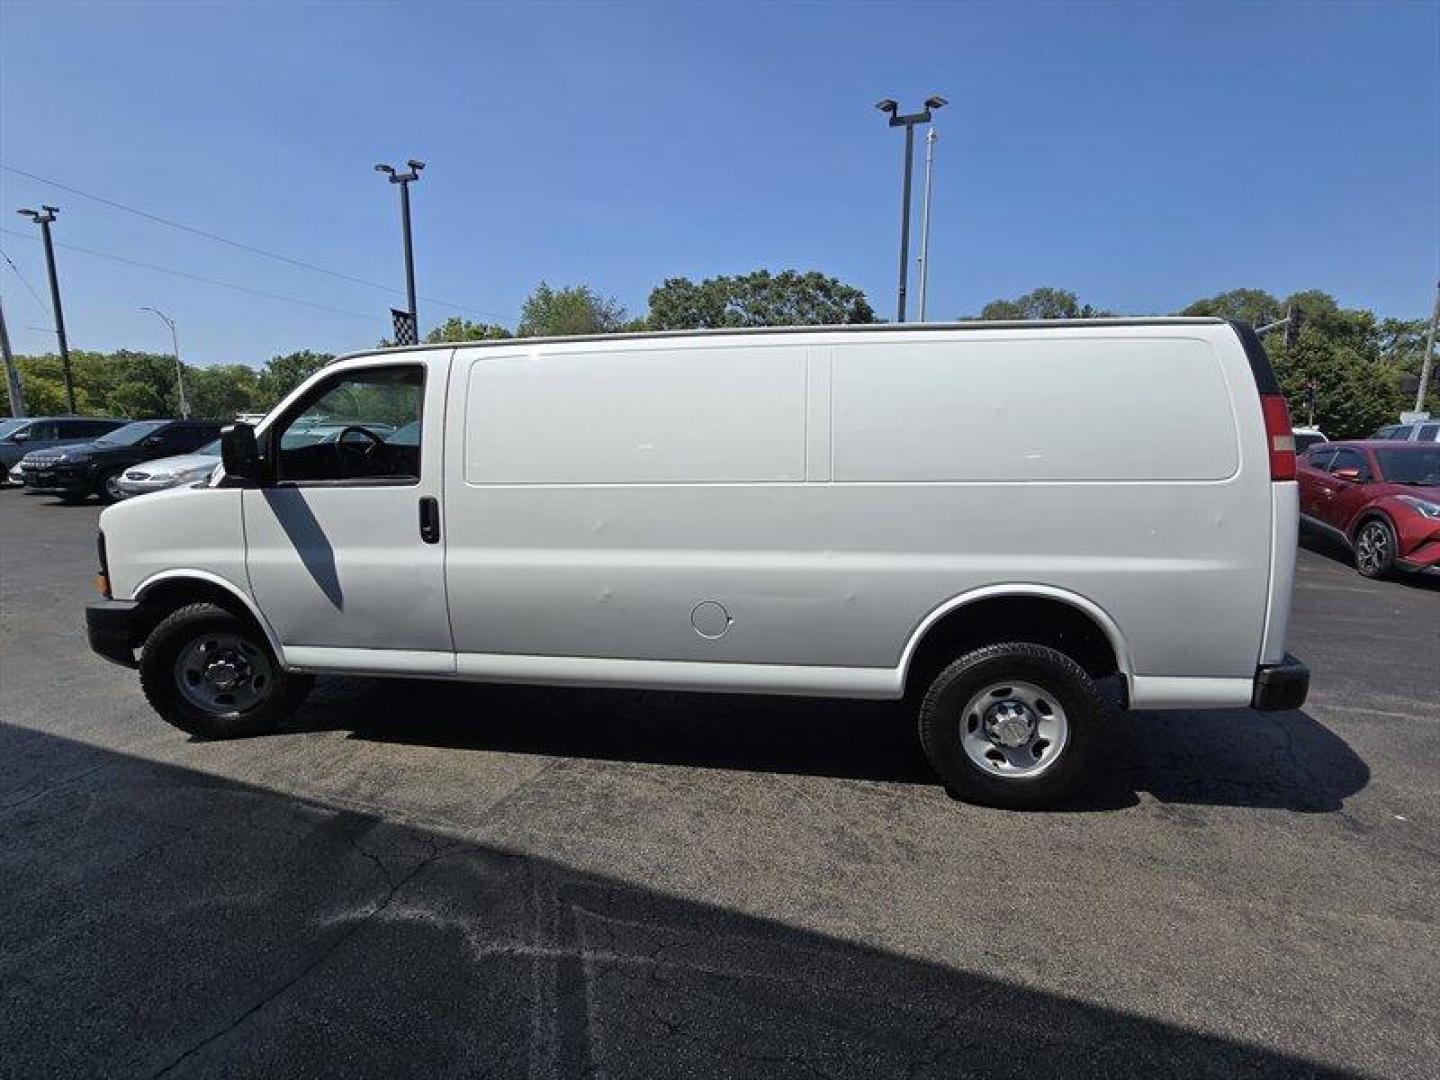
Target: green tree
(220, 391)
(1254, 306)
(1403, 340)
(458, 329)
(1355, 394)
(566, 312)
(1356, 330)
(1041, 303)
(758, 298)
(282, 374)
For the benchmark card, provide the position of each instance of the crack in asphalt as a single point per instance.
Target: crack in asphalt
(393, 887)
(52, 787)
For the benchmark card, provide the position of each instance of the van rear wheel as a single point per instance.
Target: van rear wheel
(213, 675)
(1013, 725)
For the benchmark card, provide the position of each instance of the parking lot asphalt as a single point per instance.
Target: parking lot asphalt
(441, 880)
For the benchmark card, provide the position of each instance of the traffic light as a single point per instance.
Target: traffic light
(1292, 327)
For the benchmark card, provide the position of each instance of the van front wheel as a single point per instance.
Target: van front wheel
(1012, 725)
(213, 675)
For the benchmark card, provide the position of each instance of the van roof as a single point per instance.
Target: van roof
(645, 335)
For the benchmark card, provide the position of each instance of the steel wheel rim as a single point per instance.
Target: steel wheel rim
(1373, 546)
(1014, 730)
(223, 673)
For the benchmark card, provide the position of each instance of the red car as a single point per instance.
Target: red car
(1381, 498)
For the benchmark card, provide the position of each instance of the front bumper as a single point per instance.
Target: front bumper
(72, 478)
(1280, 687)
(113, 627)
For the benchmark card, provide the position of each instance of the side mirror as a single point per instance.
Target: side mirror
(153, 441)
(1352, 474)
(20, 436)
(239, 453)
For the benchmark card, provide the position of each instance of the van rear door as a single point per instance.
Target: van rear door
(345, 546)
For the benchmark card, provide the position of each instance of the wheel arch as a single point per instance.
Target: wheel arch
(1078, 625)
(1370, 513)
(165, 592)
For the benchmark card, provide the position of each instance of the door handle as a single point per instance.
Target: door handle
(430, 519)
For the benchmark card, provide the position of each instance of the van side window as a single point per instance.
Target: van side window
(342, 432)
(1429, 432)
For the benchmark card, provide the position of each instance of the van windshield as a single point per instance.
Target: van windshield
(130, 434)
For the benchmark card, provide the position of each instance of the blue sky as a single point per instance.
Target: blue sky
(1142, 155)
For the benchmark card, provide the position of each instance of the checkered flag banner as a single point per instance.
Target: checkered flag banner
(406, 332)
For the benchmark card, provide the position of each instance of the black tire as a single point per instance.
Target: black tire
(160, 679)
(1062, 681)
(1375, 548)
(102, 486)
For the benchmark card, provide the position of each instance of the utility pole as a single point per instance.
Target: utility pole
(892, 108)
(405, 179)
(12, 376)
(43, 218)
(930, 137)
(1426, 365)
(179, 370)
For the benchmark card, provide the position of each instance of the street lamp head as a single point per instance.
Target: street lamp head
(888, 105)
(416, 165)
(935, 101)
(31, 214)
(389, 170)
(51, 209)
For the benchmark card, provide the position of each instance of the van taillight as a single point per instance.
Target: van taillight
(1279, 436)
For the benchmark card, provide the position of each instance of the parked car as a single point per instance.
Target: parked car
(310, 431)
(79, 471)
(1379, 498)
(1425, 431)
(1308, 436)
(24, 435)
(970, 517)
(166, 472)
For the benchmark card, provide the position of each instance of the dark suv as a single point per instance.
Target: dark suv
(25, 435)
(79, 471)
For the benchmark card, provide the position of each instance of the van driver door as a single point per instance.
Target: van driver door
(345, 545)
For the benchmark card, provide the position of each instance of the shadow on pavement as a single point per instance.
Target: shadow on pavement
(1225, 758)
(1332, 549)
(160, 921)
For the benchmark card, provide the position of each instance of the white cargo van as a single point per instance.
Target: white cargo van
(985, 519)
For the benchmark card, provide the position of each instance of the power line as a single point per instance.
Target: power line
(300, 263)
(206, 280)
(26, 283)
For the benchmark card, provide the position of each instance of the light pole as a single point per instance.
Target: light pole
(1429, 358)
(892, 108)
(405, 179)
(43, 217)
(12, 376)
(930, 137)
(179, 371)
